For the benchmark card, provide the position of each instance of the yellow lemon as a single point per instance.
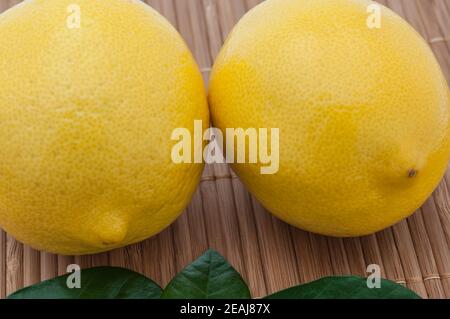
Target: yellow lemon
(361, 105)
(90, 92)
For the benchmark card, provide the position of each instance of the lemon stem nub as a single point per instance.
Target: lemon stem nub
(111, 229)
(412, 173)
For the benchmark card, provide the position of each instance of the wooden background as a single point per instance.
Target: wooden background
(268, 253)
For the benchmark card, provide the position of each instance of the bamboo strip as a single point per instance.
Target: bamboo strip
(238, 9)
(31, 265)
(397, 6)
(277, 251)
(49, 266)
(356, 256)
(408, 258)
(14, 265)
(338, 256)
(214, 229)
(100, 260)
(229, 220)
(2, 264)
(227, 19)
(313, 258)
(133, 257)
(166, 260)
(84, 262)
(252, 3)
(4, 5)
(168, 10)
(439, 39)
(436, 235)
(447, 178)
(116, 258)
(372, 253)
(383, 2)
(128, 257)
(425, 256)
(442, 197)
(14, 275)
(250, 246)
(12, 3)
(182, 242)
(389, 253)
(155, 4)
(413, 15)
(200, 44)
(213, 27)
(196, 224)
(423, 14)
(442, 13)
(63, 262)
(303, 255)
(321, 255)
(150, 259)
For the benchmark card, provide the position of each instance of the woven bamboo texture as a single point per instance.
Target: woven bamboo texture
(222, 215)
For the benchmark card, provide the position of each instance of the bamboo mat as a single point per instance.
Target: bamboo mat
(268, 253)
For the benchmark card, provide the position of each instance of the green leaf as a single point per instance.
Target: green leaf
(209, 277)
(96, 283)
(345, 287)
